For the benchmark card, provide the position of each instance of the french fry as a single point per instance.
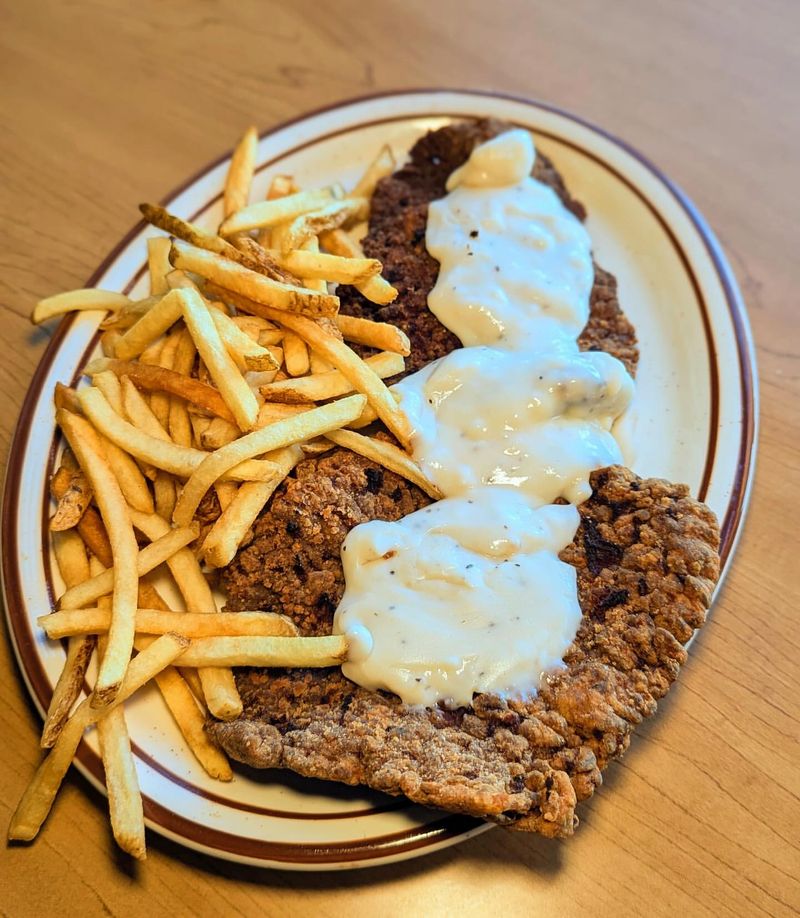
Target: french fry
(295, 354)
(226, 491)
(219, 687)
(311, 245)
(275, 436)
(191, 722)
(160, 401)
(77, 301)
(90, 528)
(108, 383)
(180, 427)
(383, 165)
(178, 460)
(266, 651)
(325, 219)
(73, 565)
(138, 412)
(165, 493)
(317, 364)
(376, 289)
(235, 276)
(72, 504)
(245, 351)
(240, 174)
(380, 335)
(221, 366)
(158, 264)
(182, 229)
(146, 560)
(277, 411)
(270, 336)
(183, 696)
(277, 210)
(129, 477)
(368, 416)
(219, 433)
(339, 354)
(225, 536)
(122, 785)
(95, 620)
(329, 385)
(254, 256)
(159, 379)
(123, 318)
(66, 397)
(309, 264)
(67, 688)
(88, 449)
(38, 798)
(387, 455)
(152, 325)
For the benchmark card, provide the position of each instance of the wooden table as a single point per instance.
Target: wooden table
(106, 104)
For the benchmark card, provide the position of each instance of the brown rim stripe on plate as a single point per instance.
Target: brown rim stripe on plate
(450, 826)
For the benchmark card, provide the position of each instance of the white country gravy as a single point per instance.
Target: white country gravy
(469, 595)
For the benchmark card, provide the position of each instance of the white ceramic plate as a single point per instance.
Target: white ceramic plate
(696, 419)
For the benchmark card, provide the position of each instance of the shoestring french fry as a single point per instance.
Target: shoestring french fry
(109, 384)
(295, 354)
(88, 449)
(276, 210)
(152, 325)
(158, 265)
(325, 219)
(96, 619)
(253, 255)
(275, 436)
(129, 476)
(78, 301)
(125, 808)
(225, 536)
(262, 289)
(329, 385)
(38, 797)
(266, 651)
(376, 289)
(387, 455)
(240, 174)
(219, 433)
(226, 491)
(244, 349)
(73, 565)
(180, 427)
(383, 165)
(90, 527)
(138, 412)
(380, 335)
(321, 266)
(191, 721)
(72, 504)
(221, 366)
(165, 494)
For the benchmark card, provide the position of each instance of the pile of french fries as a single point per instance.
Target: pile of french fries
(233, 368)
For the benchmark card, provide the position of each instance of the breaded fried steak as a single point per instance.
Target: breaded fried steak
(646, 556)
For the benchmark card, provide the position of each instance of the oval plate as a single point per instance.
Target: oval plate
(695, 421)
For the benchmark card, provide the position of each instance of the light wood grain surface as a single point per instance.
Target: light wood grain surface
(105, 104)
